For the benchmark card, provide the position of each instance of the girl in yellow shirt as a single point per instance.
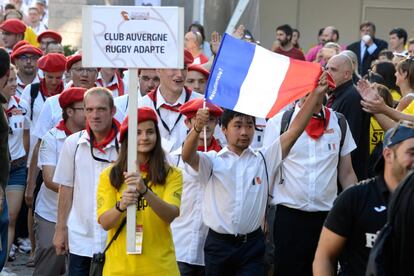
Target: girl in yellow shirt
(157, 193)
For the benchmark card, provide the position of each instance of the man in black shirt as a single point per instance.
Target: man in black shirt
(345, 99)
(359, 212)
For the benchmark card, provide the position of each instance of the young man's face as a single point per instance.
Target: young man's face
(196, 81)
(239, 132)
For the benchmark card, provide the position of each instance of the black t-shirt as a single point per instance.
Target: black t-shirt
(358, 214)
(348, 102)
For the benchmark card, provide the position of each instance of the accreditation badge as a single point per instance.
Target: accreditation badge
(139, 235)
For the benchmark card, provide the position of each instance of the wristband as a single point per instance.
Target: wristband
(117, 206)
(196, 130)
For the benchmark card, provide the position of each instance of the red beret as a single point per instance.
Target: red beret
(190, 108)
(53, 35)
(200, 69)
(144, 114)
(26, 49)
(188, 57)
(71, 60)
(20, 44)
(71, 95)
(52, 62)
(14, 26)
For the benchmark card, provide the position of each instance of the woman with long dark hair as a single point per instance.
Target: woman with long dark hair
(157, 192)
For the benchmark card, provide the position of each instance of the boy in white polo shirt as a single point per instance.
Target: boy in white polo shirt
(236, 182)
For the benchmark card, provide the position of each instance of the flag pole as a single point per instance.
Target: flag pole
(132, 155)
(205, 129)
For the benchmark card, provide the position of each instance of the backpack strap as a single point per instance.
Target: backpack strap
(34, 91)
(286, 117)
(343, 127)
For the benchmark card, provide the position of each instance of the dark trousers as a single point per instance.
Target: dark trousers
(4, 226)
(79, 265)
(224, 256)
(296, 235)
(190, 269)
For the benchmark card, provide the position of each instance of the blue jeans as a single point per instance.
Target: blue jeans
(4, 224)
(79, 265)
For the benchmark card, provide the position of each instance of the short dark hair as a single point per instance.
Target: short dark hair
(9, 6)
(228, 115)
(367, 24)
(4, 62)
(386, 53)
(199, 27)
(400, 32)
(287, 29)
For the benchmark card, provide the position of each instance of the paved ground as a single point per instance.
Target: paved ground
(18, 267)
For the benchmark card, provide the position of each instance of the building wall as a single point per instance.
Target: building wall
(263, 16)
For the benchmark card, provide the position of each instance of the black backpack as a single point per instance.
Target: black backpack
(393, 242)
(34, 91)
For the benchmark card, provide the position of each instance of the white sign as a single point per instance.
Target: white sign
(133, 37)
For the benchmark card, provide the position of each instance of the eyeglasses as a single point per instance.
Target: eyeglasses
(84, 70)
(7, 33)
(26, 58)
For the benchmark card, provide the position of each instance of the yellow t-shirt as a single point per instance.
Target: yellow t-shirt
(409, 109)
(158, 253)
(376, 133)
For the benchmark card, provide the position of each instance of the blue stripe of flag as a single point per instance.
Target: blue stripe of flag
(229, 71)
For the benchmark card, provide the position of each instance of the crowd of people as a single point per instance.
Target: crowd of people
(217, 192)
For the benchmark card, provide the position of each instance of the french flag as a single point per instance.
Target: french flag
(252, 80)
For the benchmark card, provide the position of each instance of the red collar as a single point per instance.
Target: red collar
(119, 84)
(109, 137)
(214, 145)
(46, 93)
(62, 126)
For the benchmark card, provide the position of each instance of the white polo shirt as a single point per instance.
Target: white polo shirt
(174, 121)
(121, 104)
(236, 187)
(78, 169)
(310, 169)
(49, 116)
(188, 230)
(113, 85)
(21, 86)
(17, 124)
(50, 148)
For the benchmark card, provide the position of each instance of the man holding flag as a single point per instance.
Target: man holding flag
(237, 186)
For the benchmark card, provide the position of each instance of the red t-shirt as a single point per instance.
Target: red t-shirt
(292, 53)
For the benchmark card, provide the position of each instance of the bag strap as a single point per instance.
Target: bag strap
(34, 91)
(118, 231)
(286, 117)
(343, 127)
